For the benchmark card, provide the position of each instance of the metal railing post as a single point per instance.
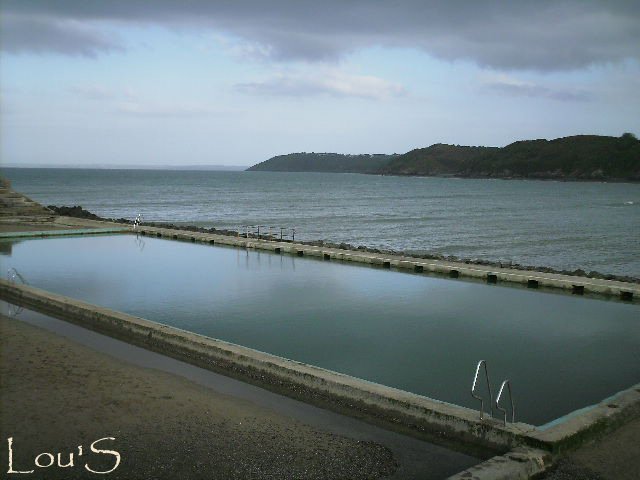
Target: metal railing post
(473, 388)
(504, 410)
(13, 275)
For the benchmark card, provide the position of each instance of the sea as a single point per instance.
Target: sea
(562, 225)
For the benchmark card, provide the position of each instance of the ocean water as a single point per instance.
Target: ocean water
(593, 226)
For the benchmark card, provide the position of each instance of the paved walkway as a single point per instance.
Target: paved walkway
(615, 457)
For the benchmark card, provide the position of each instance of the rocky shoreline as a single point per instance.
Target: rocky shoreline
(540, 176)
(79, 212)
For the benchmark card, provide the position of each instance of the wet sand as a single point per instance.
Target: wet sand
(56, 395)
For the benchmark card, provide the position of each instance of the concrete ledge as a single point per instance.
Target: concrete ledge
(448, 423)
(441, 422)
(519, 464)
(573, 430)
(629, 292)
(69, 231)
(532, 279)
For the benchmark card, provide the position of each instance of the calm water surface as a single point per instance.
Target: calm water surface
(593, 226)
(408, 331)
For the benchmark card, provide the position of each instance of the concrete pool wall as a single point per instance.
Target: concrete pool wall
(577, 285)
(312, 384)
(531, 279)
(440, 421)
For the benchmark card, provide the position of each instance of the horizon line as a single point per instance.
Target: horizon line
(127, 166)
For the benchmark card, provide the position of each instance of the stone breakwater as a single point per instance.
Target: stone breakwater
(79, 212)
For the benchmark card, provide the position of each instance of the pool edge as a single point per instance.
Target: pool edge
(577, 285)
(62, 232)
(334, 390)
(625, 291)
(325, 388)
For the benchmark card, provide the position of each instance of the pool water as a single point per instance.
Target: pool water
(410, 331)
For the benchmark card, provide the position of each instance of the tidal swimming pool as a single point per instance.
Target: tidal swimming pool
(410, 331)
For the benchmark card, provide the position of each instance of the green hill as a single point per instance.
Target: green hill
(437, 160)
(581, 157)
(323, 162)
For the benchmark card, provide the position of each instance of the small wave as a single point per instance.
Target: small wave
(628, 203)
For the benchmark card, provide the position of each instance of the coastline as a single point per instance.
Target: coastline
(549, 178)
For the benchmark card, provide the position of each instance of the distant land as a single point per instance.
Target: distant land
(325, 162)
(581, 157)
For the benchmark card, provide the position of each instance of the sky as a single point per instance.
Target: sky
(233, 82)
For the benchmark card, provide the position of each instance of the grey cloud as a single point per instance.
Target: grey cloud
(44, 35)
(137, 109)
(94, 92)
(329, 82)
(279, 87)
(543, 35)
(537, 91)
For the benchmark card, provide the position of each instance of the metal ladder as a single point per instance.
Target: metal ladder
(14, 276)
(255, 232)
(473, 388)
(138, 221)
(504, 410)
(507, 383)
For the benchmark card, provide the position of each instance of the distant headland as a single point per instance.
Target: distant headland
(325, 162)
(580, 157)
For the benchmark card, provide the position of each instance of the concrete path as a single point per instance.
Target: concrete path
(614, 457)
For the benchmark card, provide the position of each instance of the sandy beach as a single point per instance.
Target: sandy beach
(57, 395)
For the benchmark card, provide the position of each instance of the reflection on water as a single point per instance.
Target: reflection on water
(413, 332)
(6, 247)
(140, 243)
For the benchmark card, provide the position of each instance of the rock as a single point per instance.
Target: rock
(76, 211)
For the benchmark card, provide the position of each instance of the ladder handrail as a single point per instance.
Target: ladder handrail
(504, 410)
(255, 231)
(137, 221)
(473, 388)
(12, 274)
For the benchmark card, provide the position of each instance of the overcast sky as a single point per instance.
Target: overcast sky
(235, 82)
